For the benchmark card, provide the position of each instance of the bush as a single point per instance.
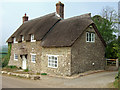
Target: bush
(117, 80)
(6, 58)
(5, 61)
(26, 70)
(11, 67)
(43, 73)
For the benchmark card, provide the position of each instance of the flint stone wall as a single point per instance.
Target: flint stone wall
(84, 54)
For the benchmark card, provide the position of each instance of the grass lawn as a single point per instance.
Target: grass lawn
(116, 83)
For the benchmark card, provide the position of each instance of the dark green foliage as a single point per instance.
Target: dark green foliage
(106, 29)
(11, 67)
(5, 61)
(6, 58)
(119, 48)
(111, 51)
(43, 73)
(117, 80)
(26, 70)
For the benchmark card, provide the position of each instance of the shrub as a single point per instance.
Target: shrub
(26, 70)
(12, 67)
(6, 58)
(5, 61)
(117, 80)
(43, 73)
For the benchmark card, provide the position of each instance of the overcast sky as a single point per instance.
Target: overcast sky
(13, 10)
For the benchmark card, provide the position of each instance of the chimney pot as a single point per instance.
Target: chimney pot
(25, 18)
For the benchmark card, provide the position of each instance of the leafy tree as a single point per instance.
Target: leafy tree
(107, 26)
(112, 49)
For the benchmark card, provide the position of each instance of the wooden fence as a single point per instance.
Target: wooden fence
(112, 62)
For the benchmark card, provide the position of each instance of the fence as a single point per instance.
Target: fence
(112, 62)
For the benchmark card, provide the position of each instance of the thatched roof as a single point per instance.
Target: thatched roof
(66, 32)
(39, 27)
(54, 32)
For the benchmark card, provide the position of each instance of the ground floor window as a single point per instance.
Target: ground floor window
(15, 57)
(53, 61)
(33, 58)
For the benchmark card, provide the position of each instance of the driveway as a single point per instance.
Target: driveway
(96, 80)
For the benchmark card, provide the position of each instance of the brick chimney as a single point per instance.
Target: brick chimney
(60, 9)
(25, 18)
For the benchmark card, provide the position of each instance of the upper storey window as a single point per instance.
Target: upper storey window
(14, 40)
(22, 38)
(32, 38)
(90, 37)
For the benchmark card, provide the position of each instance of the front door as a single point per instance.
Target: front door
(24, 62)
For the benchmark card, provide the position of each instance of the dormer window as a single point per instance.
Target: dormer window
(22, 38)
(32, 38)
(14, 40)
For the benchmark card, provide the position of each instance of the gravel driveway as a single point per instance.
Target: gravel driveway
(96, 80)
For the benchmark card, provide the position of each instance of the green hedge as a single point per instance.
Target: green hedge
(6, 58)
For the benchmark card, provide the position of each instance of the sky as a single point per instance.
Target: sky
(12, 11)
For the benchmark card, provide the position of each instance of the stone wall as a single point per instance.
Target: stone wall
(71, 60)
(85, 53)
(29, 48)
(64, 61)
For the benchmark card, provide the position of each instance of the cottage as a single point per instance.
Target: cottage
(58, 46)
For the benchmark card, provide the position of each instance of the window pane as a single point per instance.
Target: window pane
(33, 57)
(89, 36)
(52, 57)
(55, 65)
(92, 36)
(49, 57)
(52, 61)
(55, 58)
(55, 61)
(15, 56)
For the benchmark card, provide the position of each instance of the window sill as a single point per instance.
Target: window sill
(52, 67)
(33, 40)
(33, 61)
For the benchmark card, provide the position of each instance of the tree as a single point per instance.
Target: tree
(112, 49)
(110, 14)
(107, 26)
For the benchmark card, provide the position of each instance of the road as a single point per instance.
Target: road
(96, 80)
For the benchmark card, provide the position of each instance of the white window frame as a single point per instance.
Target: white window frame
(15, 57)
(90, 39)
(33, 61)
(32, 38)
(23, 38)
(14, 40)
(52, 62)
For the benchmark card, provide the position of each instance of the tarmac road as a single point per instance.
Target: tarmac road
(96, 80)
